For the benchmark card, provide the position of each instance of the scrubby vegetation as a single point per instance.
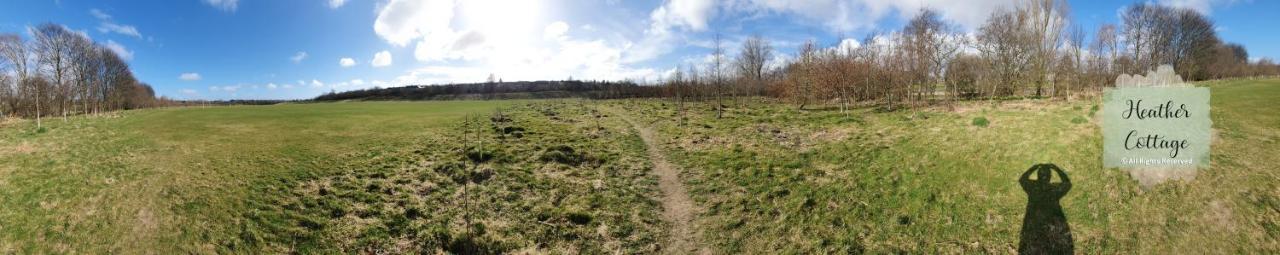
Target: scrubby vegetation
(472, 188)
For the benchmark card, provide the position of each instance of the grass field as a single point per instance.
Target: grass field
(307, 177)
(773, 178)
(571, 176)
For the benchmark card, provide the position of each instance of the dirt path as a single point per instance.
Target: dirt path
(678, 209)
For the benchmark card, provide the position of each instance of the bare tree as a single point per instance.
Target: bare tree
(53, 48)
(800, 75)
(1193, 40)
(84, 63)
(1046, 21)
(716, 74)
(751, 62)
(1229, 60)
(931, 43)
(1008, 48)
(1147, 34)
(1106, 42)
(1074, 62)
(15, 50)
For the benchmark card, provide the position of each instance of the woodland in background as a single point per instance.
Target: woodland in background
(495, 89)
(1032, 50)
(59, 72)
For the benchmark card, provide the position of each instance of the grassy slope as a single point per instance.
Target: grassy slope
(237, 179)
(771, 178)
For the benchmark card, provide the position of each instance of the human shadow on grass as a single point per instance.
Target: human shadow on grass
(1044, 228)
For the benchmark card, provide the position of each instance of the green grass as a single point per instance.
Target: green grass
(558, 176)
(249, 179)
(981, 121)
(771, 178)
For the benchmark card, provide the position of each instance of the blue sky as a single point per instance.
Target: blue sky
(259, 49)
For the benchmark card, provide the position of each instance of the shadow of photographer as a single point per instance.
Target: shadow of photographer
(1044, 226)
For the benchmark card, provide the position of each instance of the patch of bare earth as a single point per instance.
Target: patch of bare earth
(678, 208)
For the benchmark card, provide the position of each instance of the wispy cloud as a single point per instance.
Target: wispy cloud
(225, 5)
(1202, 6)
(189, 76)
(335, 4)
(297, 58)
(347, 62)
(99, 14)
(228, 88)
(107, 25)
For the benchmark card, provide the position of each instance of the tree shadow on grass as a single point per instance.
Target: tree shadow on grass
(1044, 228)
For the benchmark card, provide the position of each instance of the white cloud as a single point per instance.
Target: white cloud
(555, 30)
(848, 44)
(691, 14)
(357, 82)
(225, 5)
(672, 23)
(1202, 6)
(461, 41)
(401, 21)
(272, 86)
(99, 14)
(316, 83)
(347, 62)
(108, 26)
(335, 4)
(189, 76)
(120, 50)
(846, 15)
(660, 38)
(119, 29)
(381, 59)
(228, 88)
(297, 58)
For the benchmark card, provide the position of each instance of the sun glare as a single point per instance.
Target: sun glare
(504, 22)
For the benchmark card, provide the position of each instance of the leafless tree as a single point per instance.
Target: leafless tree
(1106, 42)
(53, 50)
(1008, 48)
(931, 43)
(1046, 22)
(756, 51)
(1193, 40)
(715, 73)
(63, 71)
(800, 75)
(13, 50)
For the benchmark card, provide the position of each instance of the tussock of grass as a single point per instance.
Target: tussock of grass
(981, 121)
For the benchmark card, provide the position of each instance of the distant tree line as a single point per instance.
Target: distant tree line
(500, 90)
(62, 72)
(1031, 50)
